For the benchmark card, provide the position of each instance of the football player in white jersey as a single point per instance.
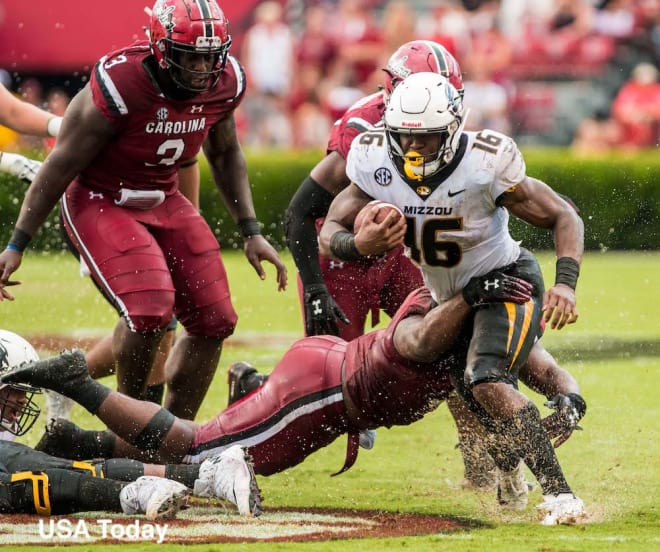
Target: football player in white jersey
(456, 190)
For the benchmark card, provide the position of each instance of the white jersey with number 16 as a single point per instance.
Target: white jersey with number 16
(456, 230)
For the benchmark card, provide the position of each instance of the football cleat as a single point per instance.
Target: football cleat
(230, 476)
(243, 378)
(156, 497)
(513, 489)
(59, 373)
(561, 509)
(367, 439)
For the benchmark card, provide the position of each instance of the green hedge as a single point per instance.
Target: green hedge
(618, 197)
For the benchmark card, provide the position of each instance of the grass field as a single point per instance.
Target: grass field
(613, 465)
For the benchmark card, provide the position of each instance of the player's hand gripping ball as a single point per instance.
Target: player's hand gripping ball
(384, 209)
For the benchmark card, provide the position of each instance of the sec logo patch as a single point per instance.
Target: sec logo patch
(383, 176)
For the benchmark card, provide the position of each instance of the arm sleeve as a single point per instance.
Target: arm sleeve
(309, 202)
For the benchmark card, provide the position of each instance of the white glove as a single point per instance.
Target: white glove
(18, 165)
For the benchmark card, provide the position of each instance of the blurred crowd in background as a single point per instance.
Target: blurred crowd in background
(582, 73)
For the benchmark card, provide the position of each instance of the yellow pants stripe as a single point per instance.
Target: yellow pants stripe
(527, 320)
(86, 466)
(40, 494)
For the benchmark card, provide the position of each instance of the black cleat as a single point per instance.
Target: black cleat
(243, 378)
(61, 439)
(59, 373)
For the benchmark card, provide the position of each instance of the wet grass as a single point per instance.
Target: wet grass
(612, 464)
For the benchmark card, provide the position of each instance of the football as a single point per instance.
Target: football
(384, 209)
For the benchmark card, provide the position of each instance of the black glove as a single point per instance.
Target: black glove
(496, 287)
(321, 311)
(569, 410)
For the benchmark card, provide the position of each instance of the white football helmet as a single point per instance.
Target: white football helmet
(425, 103)
(17, 417)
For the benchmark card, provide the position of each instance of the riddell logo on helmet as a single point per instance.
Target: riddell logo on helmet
(411, 124)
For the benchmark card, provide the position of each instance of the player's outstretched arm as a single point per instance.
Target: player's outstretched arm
(311, 201)
(26, 118)
(84, 133)
(424, 339)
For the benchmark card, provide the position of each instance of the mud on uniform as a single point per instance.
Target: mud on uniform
(302, 407)
(369, 284)
(457, 229)
(151, 259)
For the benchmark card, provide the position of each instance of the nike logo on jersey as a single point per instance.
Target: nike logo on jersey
(452, 194)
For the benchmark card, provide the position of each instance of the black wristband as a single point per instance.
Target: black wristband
(19, 240)
(567, 272)
(249, 227)
(342, 246)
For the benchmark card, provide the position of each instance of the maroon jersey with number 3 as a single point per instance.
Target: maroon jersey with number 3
(155, 133)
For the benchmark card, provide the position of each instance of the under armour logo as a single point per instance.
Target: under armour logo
(494, 284)
(95, 195)
(196, 108)
(317, 307)
(336, 264)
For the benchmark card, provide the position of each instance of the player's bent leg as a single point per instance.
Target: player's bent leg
(135, 353)
(282, 424)
(190, 369)
(480, 471)
(512, 488)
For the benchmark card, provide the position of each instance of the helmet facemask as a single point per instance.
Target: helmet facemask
(180, 60)
(415, 166)
(18, 414)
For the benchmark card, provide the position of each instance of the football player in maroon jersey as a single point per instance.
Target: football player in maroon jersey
(148, 109)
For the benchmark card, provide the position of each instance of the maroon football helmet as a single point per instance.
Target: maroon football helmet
(420, 56)
(190, 39)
